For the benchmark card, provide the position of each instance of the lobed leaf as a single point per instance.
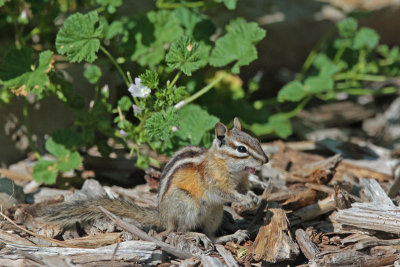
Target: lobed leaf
(293, 91)
(92, 73)
(184, 55)
(195, 122)
(159, 126)
(79, 37)
(237, 45)
(366, 37)
(45, 171)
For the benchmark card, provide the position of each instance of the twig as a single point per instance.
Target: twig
(261, 207)
(142, 235)
(395, 186)
(54, 241)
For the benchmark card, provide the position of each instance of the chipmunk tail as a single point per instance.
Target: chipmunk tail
(67, 214)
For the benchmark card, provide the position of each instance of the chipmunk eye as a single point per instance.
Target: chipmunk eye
(241, 149)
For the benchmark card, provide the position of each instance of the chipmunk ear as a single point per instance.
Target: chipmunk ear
(236, 124)
(220, 132)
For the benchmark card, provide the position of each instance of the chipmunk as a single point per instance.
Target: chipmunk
(195, 184)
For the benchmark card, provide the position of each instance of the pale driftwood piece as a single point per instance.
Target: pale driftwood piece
(274, 242)
(314, 210)
(141, 234)
(129, 251)
(373, 241)
(375, 193)
(372, 216)
(208, 261)
(356, 258)
(309, 249)
(188, 262)
(395, 186)
(320, 172)
(229, 260)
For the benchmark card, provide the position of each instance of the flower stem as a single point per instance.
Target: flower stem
(115, 64)
(205, 89)
(28, 129)
(174, 80)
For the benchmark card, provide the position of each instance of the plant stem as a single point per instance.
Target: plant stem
(205, 89)
(356, 76)
(363, 91)
(162, 4)
(174, 80)
(298, 108)
(102, 48)
(28, 129)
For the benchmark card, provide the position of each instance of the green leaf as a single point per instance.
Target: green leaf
(71, 161)
(79, 38)
(152, 33)
(347, 28)
(68, 137)
(237, 45)
(230, 4)
(68, 159)
(194, 123)
(45, 171)
(112, 30)
(92, 73)
(125, 103)
(325, 65)
(184, 55)
(318, 84)
(159, 126)
(366, 37)
(110, 4)
(293, 91)
(149, 79)
(31, 81)
(281, 125)
(15, 63)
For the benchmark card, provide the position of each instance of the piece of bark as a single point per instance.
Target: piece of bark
(372, 216)
(375, 193)
(361, 171)
(314, 210)
(229, 260)
(342, 198)
(320, 172)
(357, 258)
(129, 251)
(320, 187)
(309, 249)
(298, 201)
(94, 241)
(274, 242)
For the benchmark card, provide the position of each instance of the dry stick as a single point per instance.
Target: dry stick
(261, 207)
(395, 186)
(54, 241)
(142, 235)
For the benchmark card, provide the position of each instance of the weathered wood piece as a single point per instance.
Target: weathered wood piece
(320, 172)
(309, 249)
(395, 186)
(379, 256)
(208, 261)
(375, 193)
(274, 242)
(229, 260)
(372, 216)
(314, 210)
(129, 251)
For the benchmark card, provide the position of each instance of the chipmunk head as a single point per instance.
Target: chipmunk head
(239, 149)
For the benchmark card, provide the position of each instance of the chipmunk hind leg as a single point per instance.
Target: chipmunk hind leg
(179, 211)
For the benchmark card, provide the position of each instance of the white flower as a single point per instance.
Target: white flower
(123, 133)
(180, 104)
(136, 109)
(174, 128)
(139, 90)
